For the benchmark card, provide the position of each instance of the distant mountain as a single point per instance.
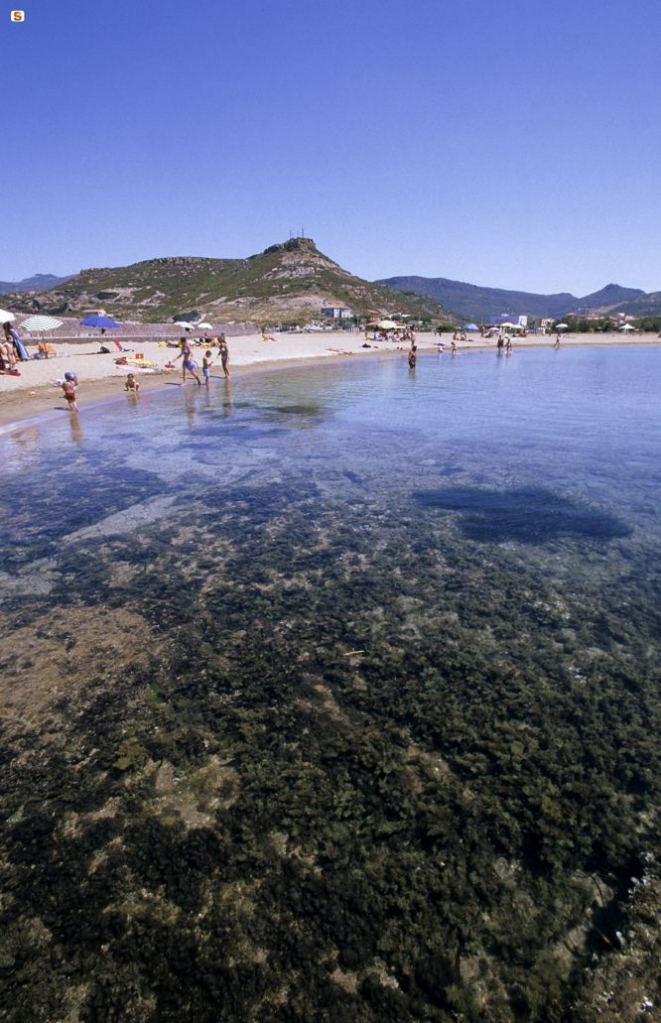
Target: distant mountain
(287, 282)
(608, 299)
(39, 282)
(643, 305)
(472, 302)
(291, 282)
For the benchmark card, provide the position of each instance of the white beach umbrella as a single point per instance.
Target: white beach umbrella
(562, 326)
(184, 325)
(6, 317)
(627, 326)
(203, 326)
(38, 324)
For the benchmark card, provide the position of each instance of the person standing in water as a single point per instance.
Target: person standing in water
(207, 363)
(413, 356)
(224, 355)
(69, 385)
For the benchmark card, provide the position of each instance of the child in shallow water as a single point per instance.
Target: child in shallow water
(207, 362)
(132, 384)
(69, 391)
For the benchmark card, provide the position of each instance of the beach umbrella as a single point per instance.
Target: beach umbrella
(104, 322)
(388, 325)
(6, 317)
(628, 326)
(184, 325)
(38, 324)
(562, 326)
(203, 326)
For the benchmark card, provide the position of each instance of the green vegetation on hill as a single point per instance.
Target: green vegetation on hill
(288, 282)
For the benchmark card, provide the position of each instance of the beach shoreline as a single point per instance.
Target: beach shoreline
(36, 392)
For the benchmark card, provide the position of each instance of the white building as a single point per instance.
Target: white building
(337, 312)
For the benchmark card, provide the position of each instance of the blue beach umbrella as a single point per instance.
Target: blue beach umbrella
(104, 322)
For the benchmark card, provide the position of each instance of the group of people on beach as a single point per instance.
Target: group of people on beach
(189, 365)
(12, 350)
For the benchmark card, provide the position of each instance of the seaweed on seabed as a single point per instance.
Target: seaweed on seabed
(416, 823)
(532, 515)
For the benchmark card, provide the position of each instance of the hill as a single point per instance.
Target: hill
(288, 282)
(480, 304)
(642, 305)
(39, 282)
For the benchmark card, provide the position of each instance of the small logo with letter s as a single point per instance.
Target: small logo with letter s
(18, 15)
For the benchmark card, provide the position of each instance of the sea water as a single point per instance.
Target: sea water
(368, 650)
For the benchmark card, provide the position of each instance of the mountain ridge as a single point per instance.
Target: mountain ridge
(38, 282)
(291, 281)
(474, 302)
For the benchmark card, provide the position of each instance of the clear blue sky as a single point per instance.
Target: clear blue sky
(513, 144)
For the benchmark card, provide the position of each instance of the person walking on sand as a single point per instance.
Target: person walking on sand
(69, 390)
(188, 364)
(224, 355)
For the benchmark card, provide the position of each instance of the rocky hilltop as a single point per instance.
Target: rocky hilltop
(288, 282)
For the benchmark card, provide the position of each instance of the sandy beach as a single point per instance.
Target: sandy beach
(36, 391)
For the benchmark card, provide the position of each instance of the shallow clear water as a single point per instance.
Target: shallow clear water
(584, 423)
(317, 631)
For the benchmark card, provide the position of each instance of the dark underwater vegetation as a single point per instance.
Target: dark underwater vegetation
(532, 515)
(313, 726)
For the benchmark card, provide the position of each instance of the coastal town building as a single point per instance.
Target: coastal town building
(336, 312)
